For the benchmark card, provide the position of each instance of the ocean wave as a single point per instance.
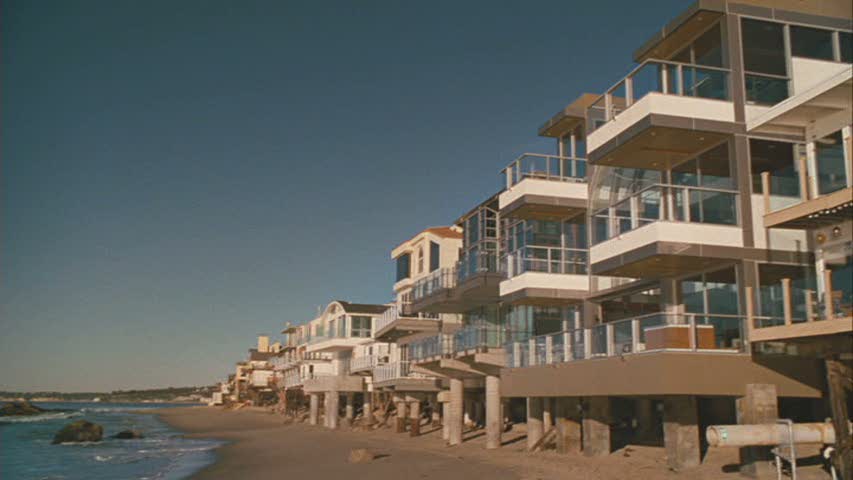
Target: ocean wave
(179, 450)
(44, 417)
(105, 458)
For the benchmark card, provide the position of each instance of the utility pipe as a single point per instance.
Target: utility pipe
(768, 434)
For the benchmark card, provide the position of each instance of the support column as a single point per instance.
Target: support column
(314, 408)
(534, 421)
(349, 410)
(436, 412)
(445, 421)
(759, 405)
(367, 408)
(645, 415)
(415, 419)
(326, 399)
(455, 418)
(568, 427)
(596, 427)
(681, 432)
(401, 416)
(494, 421)
(332, 413)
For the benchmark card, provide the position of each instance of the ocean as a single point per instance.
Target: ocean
(26, 452)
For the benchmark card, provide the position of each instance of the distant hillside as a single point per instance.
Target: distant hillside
(171, 394)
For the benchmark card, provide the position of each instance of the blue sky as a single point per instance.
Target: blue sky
(177, 177)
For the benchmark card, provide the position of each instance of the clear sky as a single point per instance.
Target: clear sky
(177, 177)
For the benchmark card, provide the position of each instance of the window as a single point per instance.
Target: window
(811, 43)
(403, 266)
(707, 49)
(845, 44)
(831, 175)
(714, 297)
(434, 256)
(764, 62)
(360, 326)
(420, 259)
(780, 159)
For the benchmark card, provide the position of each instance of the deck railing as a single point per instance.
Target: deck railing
(545, 167)
(648, 333)
(395, 370)
(533, 258)
(433, 346)
(660, 76)
(365, 362)
(437, 281)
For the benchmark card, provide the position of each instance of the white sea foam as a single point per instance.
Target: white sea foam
(105, 458)
(44, 417)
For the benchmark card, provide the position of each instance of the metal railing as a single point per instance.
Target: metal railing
(659, 76)
(648, 333)
(365, 362)
(392, 314)
(473, 337)
(433, 346)
(545, 167)
(533, 258)
(476, 262)
(665, 202)
(437, 281)
(395, 370)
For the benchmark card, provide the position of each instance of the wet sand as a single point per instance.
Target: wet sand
(261, 445)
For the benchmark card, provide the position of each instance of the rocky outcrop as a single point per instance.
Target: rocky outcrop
(79, 431)
(21, 407)
(128, 434)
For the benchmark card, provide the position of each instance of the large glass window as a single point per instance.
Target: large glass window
(764, 61)
(421, 259)
(714, 297)
(811, 43)
(839, 260)
(434, 256)
(707, 49)
(831, 175)
(403, 266)
(360, 326)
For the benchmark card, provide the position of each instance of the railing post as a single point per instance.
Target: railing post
(803, 177)
(568, 348)
(516, 354)
(827, 294)
(610, 338)
(531, 352)
(587, 343)
(549, 355)
(635, 336)
(629, 91)
(509, 177)
(679, 81)
(608, 106)
(809, 305)
(765, 189)
(664, 78)
(750, 309)
(786, 301)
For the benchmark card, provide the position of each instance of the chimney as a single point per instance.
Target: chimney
(263, 343)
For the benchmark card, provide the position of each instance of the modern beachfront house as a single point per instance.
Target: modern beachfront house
(321, 354)
(422, 264)
(718, 178)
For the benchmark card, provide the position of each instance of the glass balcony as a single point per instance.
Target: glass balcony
(659, 76)
(660, 202)
(545, 167)
(395, 370)
(473, 337)
(475, 262)
(546, 260)
(439, 280)
(431, 347)
(649, 333)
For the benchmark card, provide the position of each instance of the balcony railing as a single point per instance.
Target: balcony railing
(432, 346)
(475, 262)
(546, 260)
(650, 333)
(472, 337)
(366, 362)
(437, 281)
(393, 371)
(661, 202)
(672, 78)
(545, 167)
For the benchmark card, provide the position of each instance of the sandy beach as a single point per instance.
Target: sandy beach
(260, 445)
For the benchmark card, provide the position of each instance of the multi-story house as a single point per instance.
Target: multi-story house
(683, 265)
(423, 264)
(321, 355)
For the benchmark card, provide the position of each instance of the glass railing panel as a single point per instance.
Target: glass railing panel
(719, 332)
(623, 337)
(648, 79)
(558, 348)
(765, 90)
(705, 83)
(541, 350)
(647, 322)
(599, 340)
